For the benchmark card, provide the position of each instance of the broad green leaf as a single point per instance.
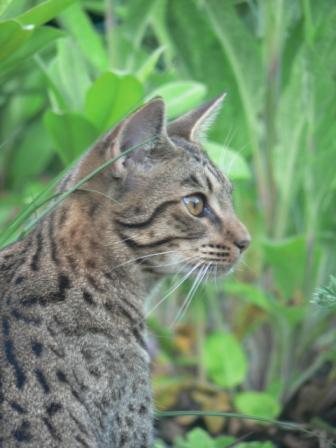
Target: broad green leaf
(287, 259)
(12, 37)
(76, 21)
(198, 54)
(258, 404)
(71, 133)
(180, 96)
(224, 442)
(224, 359)
(110, 97)
(40, 38)
(243, 60)
(197, 438)
(43, 12)
(4, 5)
(228, 160)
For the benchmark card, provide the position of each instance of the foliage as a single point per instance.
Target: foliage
(198, 438)
(70, 70)
(326, 295)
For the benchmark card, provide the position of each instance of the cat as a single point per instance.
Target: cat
(74, 367)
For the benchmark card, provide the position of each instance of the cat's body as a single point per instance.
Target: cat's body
(74, 368)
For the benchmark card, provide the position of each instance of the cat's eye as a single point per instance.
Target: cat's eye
(195, 204)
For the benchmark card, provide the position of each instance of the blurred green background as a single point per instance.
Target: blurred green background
(254, 343)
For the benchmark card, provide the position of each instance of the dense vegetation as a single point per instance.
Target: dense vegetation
(254, 343)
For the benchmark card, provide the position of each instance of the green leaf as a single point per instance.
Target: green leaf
(180, 96)
(43, 12)
(208, 62)
(248, 293)
(136, 18)
(71, 74)
(228, 160)
(224, 359)
(36, 146)
(40, 38)
(71, 132)
(4, 5)
(197, 438)
(149, 65)
(258, 404)
(76, 21)
(110, 97)
(287, 259)
(12, 37)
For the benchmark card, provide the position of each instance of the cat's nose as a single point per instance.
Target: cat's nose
(240, 236)
(243, 244)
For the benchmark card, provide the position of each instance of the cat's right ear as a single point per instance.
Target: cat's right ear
(139, 131)
(193, 125)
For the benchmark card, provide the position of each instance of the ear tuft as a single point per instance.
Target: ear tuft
(193, 125)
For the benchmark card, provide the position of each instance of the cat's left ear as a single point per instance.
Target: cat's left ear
(140, 131)
(194, 125)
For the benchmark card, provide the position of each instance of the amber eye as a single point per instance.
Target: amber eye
(195, 203)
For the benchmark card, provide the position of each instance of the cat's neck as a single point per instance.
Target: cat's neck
(91, 249)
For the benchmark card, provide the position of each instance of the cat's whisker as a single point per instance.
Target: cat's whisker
(244, 262)
(190, 295)
(172, 290)
(216, 279)
(183, 261)
(145, 256)
(231, 162)
(179, 270)
(210, 266)
(194, 292)
(230, 135)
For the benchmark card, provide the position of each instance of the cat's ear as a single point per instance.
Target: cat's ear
(193, 125)
(142, 129)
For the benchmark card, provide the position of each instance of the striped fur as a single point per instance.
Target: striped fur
(74, 368)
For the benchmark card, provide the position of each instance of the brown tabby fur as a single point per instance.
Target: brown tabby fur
(74, 368)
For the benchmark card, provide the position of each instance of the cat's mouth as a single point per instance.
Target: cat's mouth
(204, 267)
(207, 262)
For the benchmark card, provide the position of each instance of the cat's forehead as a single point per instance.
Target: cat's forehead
(200, 167)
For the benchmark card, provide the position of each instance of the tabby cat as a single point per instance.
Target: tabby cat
(74, 368)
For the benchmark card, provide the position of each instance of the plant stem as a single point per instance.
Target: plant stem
(273, 43)
(110, 37)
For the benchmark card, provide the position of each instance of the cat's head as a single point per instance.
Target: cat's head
(174, 202)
